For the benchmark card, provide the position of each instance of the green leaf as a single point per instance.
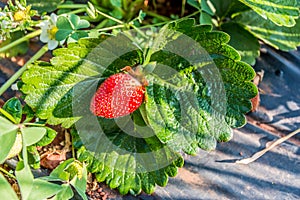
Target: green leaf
(74, 19)
(45, 5)
(43, 190)
(194, 3)
(283, 38)
(65, 193)
(126, 162)
(183, 106)
(77, 22)
(281, 13)
(83, 24)
(65, 28)
(8, 134)
(205, 18)
(14, 107)
(243, 41)
(25, 179)
(32, 135)
(6, 190)
(48, 137)
(64, 23)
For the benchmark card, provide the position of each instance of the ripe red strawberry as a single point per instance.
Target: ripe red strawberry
(119, 95)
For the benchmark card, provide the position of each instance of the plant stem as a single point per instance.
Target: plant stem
(111, 28)
(71, 6)
(109, 17)
(12, 79)
(160, 17)
(80, 10)
(20, 40)
(102, 24)
(7, 173)
(33, 124)
(183, 7)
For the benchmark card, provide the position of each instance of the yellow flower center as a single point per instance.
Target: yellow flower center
(19, 15)
(52, 32)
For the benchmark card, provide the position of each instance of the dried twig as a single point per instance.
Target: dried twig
(262, 152)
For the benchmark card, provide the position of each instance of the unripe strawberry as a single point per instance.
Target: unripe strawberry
(119, 95)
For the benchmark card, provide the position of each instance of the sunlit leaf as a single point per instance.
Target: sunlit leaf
(32, 135)
(281, 13)
(6, 190)
(280, 37)
(8, 134)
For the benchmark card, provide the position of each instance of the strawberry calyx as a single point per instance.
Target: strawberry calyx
(136, 74)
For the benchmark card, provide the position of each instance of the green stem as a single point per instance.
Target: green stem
(102, 24)
(80, 10)
(183, 7)
(7, 173)
(160, 17)
(12, 79)
(71, 6)
(20, 40)
(33, 124)
(195, 13)
(111, 28)
(8, 116)
(109, 17)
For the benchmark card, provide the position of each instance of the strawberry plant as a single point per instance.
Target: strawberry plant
(135, 94)
(179, 111)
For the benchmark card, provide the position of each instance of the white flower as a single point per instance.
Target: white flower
(49, 30)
